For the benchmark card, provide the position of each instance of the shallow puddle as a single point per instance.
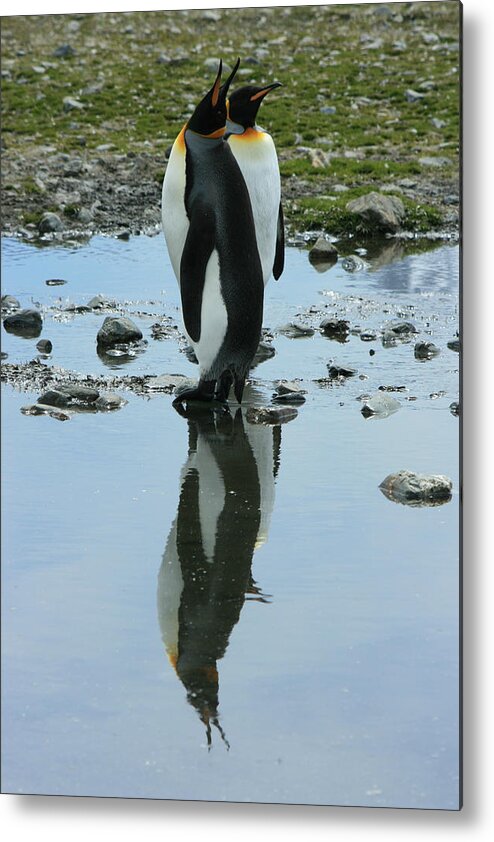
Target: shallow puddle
(206, 608)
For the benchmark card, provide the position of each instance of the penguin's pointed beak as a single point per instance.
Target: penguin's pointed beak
(226, 84)
(262, 93)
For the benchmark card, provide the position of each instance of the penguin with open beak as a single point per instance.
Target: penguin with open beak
(211, 238)
(255, 153)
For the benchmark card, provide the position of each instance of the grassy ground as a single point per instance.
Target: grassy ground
(138, 74)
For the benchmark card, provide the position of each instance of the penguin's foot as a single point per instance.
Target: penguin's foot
(239, 388)
(203, 393)
(223, 387)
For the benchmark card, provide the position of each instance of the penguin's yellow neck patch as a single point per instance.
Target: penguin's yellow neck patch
(180, 141)
(249, 135)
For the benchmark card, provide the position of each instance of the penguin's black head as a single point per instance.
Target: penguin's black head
(209, 118)
(244, 103)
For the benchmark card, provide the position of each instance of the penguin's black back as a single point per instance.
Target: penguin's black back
(220, 214)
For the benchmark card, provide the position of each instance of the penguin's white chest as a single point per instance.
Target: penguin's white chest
(173, 213)
(256, 156)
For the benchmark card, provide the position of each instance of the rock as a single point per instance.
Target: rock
(323, 252)
(49, 223)
(64, 51)
(413, 489)
(212, 64)
(384, 213)
(328, 109)
(454, 345)
(55, 282)
(27, 323)
(368, 336)
(335, 328)
(76, 308)
(45, 409)
(166, 382)
(44, 346)
(270, 414)
(454, 408)
(184, 385)
(392, 388)
(413, 96)
(117, 329)
(123, 235)
(289, 391)
(109, 402)
(434, 162)
(400, 328)
(85, 216)
(264, 352)
(340, 372)
(99, 302)
(425, 350)
(80, 394)
(380, 405)
(296, 329)
(54, 397)
(9, 303)
(437, 123)
(353, 264)
(70, 104)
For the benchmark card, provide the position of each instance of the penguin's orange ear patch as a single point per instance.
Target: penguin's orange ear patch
(259, 94)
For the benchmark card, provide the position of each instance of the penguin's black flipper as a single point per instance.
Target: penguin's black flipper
(195, 256)
(279, 257)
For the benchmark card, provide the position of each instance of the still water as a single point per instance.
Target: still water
(208, 609)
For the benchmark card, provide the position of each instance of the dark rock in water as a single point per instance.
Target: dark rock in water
(294, 330)
(50, 222)
(413, 489)
(123, 235)
(400, 328)
(425, 350)
(54, 397)
(26, 323)
(9, 303)
(99, 302)
(335, 328)
(454, 408)
(289, 391)
(323, 252)
(46, 409)
(166, 382)
(80, 394)
(55, 282)
(44, 346)
(368, 336)
(109, 401)
(338, 372)
(371, 352)
(3, 355)
(77, 308)
(392, 388)
(352, 263)
(270, 414)
(383, 213)
(454, 345)
(380, 405)
(117, 329)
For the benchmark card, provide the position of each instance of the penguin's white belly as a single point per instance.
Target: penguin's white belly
(258, 163)
(173, 213)
(214, 317)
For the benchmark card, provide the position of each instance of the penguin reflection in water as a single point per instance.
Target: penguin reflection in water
(211, 238)
(226, 498)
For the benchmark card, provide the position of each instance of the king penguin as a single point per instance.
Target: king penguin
(211, 239)
(255, 152)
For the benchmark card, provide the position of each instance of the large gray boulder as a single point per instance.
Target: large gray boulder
(117, 329)
(417, 489)
(383, 213)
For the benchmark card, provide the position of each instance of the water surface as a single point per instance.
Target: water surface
(208, 609)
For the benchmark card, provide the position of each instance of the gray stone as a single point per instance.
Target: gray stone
(328, 109)
(212, 64)
(44, 346)
(10, 303)
(270, 414)
(55, 282)
(425, 350)
(368, 336)
(385, 213)
(85, 216)
(330, 327)
(166, 382)
(45, 409)
(117, 329)
(49, 223)
(434, 162)
(296, 329)
(437, 123)
(264, 352)
(99, 302)
(54, 397)
(414, 489)
(413, 96)
(70, 104)
(352, 264)
(380, 405)
(27, 323)
(109, 402)
(64, 51)
(324, 251)
(289, 391)
(454, 345)
(80, 394)
(340, 372)
(399, 328)
(454, 408)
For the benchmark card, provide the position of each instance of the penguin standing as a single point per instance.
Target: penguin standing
(211, 238)
(255, 152)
